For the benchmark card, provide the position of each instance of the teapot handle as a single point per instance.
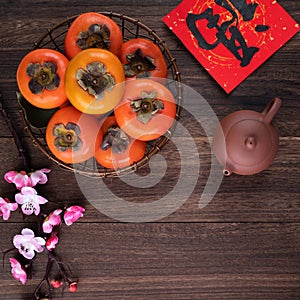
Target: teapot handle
(270, 110)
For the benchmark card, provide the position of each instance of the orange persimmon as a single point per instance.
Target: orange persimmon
(94, 81)
(73, 136)
(118, 150)
(93, 30)
(147, 109)
(142, 58)
(40, 78)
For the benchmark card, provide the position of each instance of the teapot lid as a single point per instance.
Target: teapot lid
(246, 142)
(251, 146)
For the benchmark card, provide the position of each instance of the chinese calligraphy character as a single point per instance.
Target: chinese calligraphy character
(236, 43)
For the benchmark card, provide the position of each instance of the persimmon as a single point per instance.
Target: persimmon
(117, 149)
(93, 30)
(142, 58)
(147, 109)
(40, 78)
(73, 136)
(94, 81)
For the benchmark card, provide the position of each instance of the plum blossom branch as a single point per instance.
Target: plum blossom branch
(28, 244)
(15, 135)
(62, 279)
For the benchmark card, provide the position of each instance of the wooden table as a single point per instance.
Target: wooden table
(243, 245)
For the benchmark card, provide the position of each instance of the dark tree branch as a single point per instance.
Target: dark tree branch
(16, 137)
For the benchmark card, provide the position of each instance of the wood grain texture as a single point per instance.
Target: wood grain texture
(243, 245)
(177, 261)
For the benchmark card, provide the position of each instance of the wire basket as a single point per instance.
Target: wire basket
(131, 28)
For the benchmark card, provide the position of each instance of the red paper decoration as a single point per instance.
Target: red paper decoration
(231, 38)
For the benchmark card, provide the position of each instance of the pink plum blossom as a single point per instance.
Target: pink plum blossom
(28, 244)
(17, 271)
(22, 179)
(52, 241)
(72, 214)
(39, 176)
(53, 219)
(6, 207)
(30, 200)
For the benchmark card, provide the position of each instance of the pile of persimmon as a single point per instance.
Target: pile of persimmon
(108, 99)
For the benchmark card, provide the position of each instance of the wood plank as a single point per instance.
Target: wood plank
(286, 121)
(174, 261)
(247, 198)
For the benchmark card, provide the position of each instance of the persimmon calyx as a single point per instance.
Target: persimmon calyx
(147, 106)
(138, 65)
(97, 36)
(95, 80)
(67, 137)
(42, 77)
(116, 139)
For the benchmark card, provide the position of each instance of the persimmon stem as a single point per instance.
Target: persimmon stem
(16, 137)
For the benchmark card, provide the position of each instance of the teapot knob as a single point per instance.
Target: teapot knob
(250, 142)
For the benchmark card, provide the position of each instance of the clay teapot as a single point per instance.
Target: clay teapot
(245, 141)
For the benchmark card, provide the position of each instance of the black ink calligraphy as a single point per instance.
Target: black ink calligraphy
(236, 43)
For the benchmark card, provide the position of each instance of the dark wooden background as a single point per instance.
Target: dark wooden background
(245, 244)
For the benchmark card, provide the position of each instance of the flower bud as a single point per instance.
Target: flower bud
(56, 283)
(73, 287)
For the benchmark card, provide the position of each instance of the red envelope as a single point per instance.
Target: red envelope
(231, 38)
